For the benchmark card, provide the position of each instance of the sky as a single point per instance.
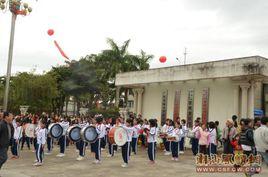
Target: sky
(209, 29)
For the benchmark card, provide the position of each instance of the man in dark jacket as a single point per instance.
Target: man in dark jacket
(6, 133)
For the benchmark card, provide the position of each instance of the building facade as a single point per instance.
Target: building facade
(212, 90)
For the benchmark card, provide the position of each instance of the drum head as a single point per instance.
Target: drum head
(55, 130)
(89, 134)
(120, 136)
(74, 133)
(29, 130)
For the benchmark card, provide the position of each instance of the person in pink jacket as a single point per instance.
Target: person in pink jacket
(203, 139)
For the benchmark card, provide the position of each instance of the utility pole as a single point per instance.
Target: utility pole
(10, 56)
(16, 7)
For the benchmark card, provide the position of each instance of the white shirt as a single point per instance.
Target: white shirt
(170, 130)
(195, 130)
(41, 136)
(65, 125)
(83, 124)
(261, 138)
(212, 136)
(130, 131)
(137, 128)
(18, 133)
(184, 130)
(152, 135)
(177, 133)
(14, 123)
(101, 130)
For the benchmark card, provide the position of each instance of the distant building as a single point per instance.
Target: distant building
(212, 90)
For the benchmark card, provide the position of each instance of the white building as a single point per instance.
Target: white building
(212, 90)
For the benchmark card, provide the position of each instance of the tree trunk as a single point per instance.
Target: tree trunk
(78, 108)
(66, 105)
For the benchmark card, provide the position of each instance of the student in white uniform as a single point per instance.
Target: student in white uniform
(169, 132)
(185, 131)
(111, 147)
(100, 127)
(152, 136)
(126, 148)
(16, 139)
(41, 141)
(134, 143)
(212, 148)
(81, 144)
(62, 141)
(177, 133)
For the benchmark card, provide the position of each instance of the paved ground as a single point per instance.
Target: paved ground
(69, 167)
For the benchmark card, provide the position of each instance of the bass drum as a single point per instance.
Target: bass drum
(118, 136)
(73, 132)
(29, 130)
(89, 134)
(55, 130)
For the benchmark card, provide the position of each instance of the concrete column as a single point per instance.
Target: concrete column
(139, 108)
(117, 96)
(251, 100)
(244, 101)
(135, 101)
(236, 100)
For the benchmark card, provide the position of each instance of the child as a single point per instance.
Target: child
(177, 133)
(169, 132)
(194, 140)
(81, 144)
(111, 147)
(126, 148)
(41, 141)
(184, 133)
(203, 139)
(62, 141)
(152, 136)
(135, 136)
(97, 145)
(16, 139)
(212, 149)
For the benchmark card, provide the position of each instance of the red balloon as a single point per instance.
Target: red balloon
(163, 59)
(50, 32)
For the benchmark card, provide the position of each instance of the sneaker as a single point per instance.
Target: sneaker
(181, 152)
(124, 165)
(172, 158)
(176, 159)
(167, 153)
(80, 158)
(109, 155)
(102, 149)
(60, 155)
(37, 164)
(47, 153)
(96, 162)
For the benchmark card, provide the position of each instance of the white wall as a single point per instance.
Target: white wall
(220, 99)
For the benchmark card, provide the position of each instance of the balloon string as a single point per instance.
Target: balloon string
(60, 50)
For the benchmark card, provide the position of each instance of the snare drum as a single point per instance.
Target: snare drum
(73, 132)
(171, 138)
(55, 130)
(190, 134)
(118, 136)
(89, 134)
(29, 130)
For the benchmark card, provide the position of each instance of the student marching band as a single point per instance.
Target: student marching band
(172, 135)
